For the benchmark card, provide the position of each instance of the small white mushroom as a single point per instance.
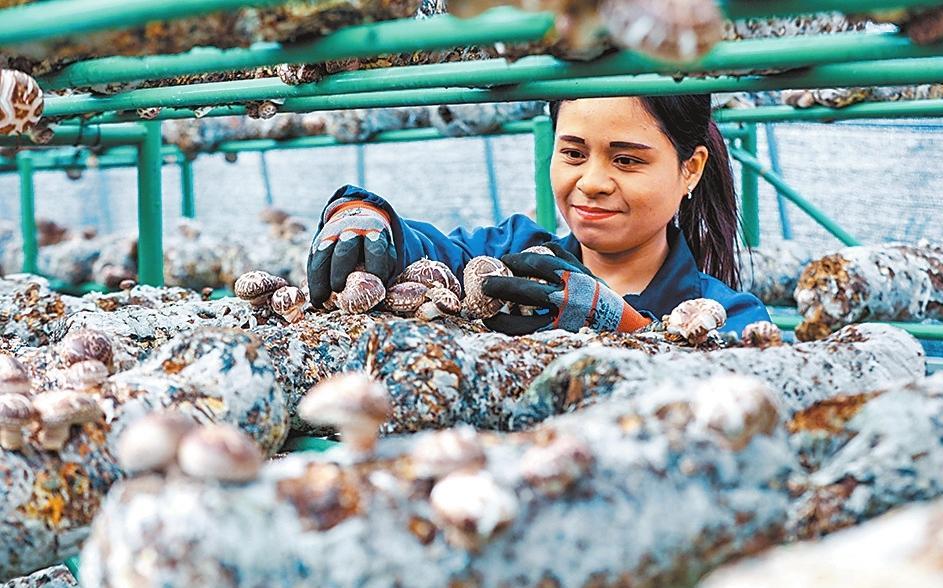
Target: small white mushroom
(151, 443)
(289, 302)
(438, 454)
(16, 411)
(13, 376)
(353, 402)
(86, 375)
(219, 452)
(762, 334)
(58, 411)
(473, 508)
(257, 287)
(693, 320)
(554, 468)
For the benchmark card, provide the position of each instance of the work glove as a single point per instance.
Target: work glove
(571, 298)
(354, 233)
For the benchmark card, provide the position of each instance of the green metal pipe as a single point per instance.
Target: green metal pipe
(91, 135)
(24, 161)
(543, 149)
(789, 322)
(59, 18)
(790, 194)
(423, 134)
(737, 9)
(902, 71)
(750, 192)
(188, 198)
(902, 109)
(408, 35)
(150, 221)
(398, 36)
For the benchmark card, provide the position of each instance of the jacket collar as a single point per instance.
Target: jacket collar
(677, 279)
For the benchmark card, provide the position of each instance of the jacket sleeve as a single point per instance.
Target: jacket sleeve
(415, 240)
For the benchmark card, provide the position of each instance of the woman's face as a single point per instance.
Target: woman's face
(615, 176)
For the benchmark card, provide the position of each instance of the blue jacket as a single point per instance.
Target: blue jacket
(677, 280)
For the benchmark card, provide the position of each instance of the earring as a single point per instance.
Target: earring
(690, 192)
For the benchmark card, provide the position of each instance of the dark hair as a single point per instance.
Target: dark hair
(709, 219)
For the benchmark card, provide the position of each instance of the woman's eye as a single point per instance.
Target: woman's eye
(625, 160)
(572, 153)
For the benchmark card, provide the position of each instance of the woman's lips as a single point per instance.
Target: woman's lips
(594, 214)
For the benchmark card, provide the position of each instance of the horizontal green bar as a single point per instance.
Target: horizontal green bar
(76, 290)
(400, 36)
(876, 73)
(308, 444)
(763, 8)
(790, 194)
(919, 330)
(58, 18)
(399, 136)
(89, 135)
(864, 110)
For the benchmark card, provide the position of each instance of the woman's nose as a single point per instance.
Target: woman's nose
(595, 180)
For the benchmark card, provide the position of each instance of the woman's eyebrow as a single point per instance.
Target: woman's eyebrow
(627, 145)
(572, 139)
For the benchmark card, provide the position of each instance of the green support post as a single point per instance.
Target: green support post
(749, 161)
(188, 202)
(24, 163)
(750, 192)
(150, 221)
(543, 149)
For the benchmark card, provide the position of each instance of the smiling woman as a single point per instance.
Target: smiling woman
(646, 188)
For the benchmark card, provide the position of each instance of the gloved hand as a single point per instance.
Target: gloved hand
(354, 232)
(573, 297)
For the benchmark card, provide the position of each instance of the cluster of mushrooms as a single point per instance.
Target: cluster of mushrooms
(49, 416)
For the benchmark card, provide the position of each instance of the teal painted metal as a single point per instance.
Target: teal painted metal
(187, 196)
(496, 214)
(24, 161)
(790, 194)
(266, 182)
(308, 444)
(543, 149)
(761, 8)
(424, 134)
(91, 135)
(750, 192)
(902, 109)
(930, 332)
(59, 18)
(772, 145)
(361, 161)
(150, 221)
(901, 71)
(500, 25)
(73, 564)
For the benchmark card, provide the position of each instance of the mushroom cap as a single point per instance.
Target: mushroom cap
(440, 453)
(343, 399)
(273, 216)
(287, 299)
(405, 297)
(762, 334)
(13, 376)
(473, 500)
(539, 249)
(152, 442)
(362, 292)
(255, 284)
(693, 319)
(444, 299)
(219, 452)
(87, 373)
(21, 102)
(66, 407)
(430, 274)
(15, 410)
(86, 344)
(477, 303)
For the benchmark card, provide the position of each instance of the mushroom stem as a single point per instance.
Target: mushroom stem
(11, 438)
(53, 437)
